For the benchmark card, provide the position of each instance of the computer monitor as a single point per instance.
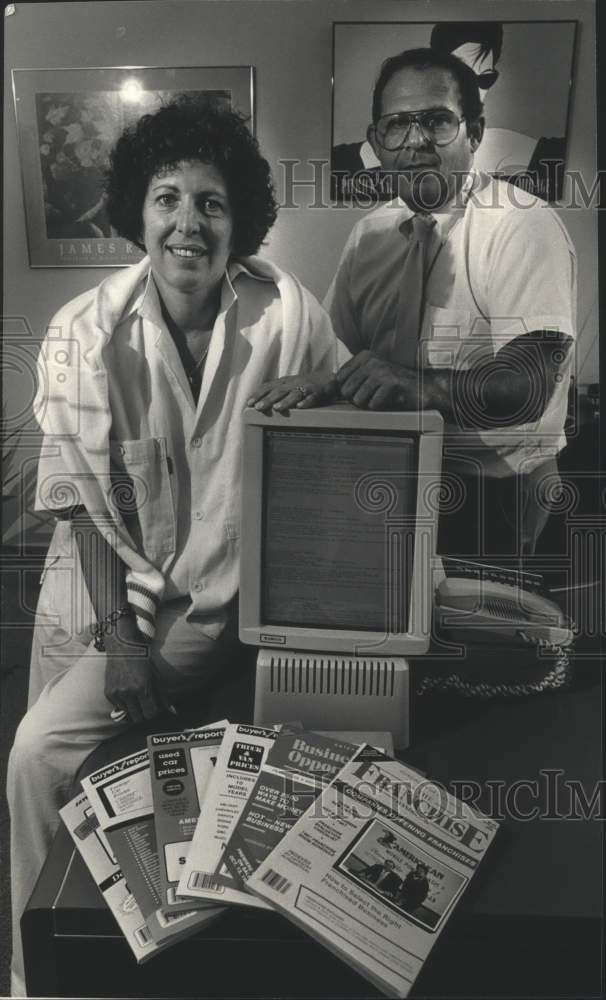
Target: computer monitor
(338, 536)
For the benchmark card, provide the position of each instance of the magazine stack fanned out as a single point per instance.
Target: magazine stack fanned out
(362, 852)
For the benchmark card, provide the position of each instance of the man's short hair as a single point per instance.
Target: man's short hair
(466, 79)
(446, 36)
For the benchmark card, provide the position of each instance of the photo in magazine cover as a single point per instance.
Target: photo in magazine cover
(392, 868)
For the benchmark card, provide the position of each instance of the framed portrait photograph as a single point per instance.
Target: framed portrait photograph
(524, 71)
(68, 121)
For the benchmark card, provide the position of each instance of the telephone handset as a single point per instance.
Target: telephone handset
(484, 610)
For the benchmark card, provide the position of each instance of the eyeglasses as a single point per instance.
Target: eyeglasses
(487, 78)
(439, 127)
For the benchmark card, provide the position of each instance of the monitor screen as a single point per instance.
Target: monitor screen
(325, 559)
(338, 529)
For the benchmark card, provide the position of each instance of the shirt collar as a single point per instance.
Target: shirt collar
(447, 215)
(148, 304)
(368, 158)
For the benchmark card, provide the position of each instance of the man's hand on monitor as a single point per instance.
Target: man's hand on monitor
(372, 383)
(295, 391)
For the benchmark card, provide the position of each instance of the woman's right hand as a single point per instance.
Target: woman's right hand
(130, 682)
(299, 392)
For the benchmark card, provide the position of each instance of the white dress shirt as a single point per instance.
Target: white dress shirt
(506, 267)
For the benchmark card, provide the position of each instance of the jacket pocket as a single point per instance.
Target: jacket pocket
(142, 494)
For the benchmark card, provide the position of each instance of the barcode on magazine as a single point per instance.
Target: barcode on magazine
(143, 936)
(200, 880)
(165, 919)
(276, 881)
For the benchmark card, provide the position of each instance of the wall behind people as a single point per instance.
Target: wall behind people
(289, 42)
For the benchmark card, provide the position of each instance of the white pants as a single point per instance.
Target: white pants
(68, 713)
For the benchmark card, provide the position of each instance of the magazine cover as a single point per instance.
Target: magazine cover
(240, 758)
(120, 790)
(297, 768)
(144, 937)
(121, 797)
(376, 867)
(94, 847)
(181, 764)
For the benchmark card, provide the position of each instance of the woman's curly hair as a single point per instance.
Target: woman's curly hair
(187, 129)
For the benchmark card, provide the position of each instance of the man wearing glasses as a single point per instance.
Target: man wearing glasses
(478, 44)
(459, 295)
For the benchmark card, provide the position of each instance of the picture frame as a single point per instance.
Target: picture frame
(525, 137)
(67, 122)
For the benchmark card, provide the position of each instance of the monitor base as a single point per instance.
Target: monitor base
(325, 691)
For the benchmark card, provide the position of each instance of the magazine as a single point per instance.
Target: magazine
(239, 761)
(376, 867)
(144, 937)
(297, 768)
(181, 765)
(121, 797)
(92, 844)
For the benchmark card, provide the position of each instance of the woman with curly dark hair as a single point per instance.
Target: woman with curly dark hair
(144, 380)
(188, 131)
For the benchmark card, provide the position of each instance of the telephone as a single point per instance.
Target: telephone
(484, 610)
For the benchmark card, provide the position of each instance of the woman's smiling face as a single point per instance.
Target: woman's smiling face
(187, 227)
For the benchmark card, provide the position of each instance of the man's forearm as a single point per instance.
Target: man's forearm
(478, 397)
(427, 390)
(503, 391)
(470, 398)
(510, 389)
